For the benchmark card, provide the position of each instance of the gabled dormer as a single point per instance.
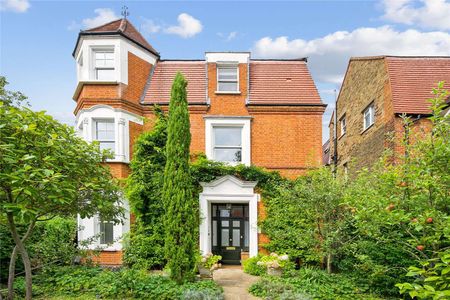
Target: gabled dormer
(103, 53)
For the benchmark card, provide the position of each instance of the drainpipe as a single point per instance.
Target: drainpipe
(335, 155)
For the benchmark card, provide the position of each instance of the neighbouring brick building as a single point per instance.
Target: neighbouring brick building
(375, 93)
(242, 110)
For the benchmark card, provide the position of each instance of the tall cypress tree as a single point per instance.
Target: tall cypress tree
(180, 207)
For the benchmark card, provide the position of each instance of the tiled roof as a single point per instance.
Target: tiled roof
(412, 79)
(123, 27)
(161, 80)
(282, 82)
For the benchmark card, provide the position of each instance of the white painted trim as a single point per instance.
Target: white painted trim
(85, 120)
(238, 57)
(244, 122)
(228, 189)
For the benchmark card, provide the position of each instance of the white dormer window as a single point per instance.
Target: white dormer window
(227, 78)
(105, 135)
(104, 65)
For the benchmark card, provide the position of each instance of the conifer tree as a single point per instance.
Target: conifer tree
(180, 206)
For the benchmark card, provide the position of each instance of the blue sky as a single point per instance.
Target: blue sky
(37, 37)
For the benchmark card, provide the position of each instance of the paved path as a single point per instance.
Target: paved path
(235, 283)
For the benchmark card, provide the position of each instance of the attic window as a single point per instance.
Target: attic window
(104, 65)
(227, 79)
(369, 116)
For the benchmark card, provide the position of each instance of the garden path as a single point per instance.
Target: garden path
(235, 283)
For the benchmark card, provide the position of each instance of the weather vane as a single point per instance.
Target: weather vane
(125, 13)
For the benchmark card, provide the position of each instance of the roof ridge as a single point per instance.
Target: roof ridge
(93, 28)
(123, 25)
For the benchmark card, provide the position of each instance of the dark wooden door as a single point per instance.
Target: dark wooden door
(230, 231)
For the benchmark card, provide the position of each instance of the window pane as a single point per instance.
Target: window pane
(227, 136)
(227, 74)
(108, 145)
(105, 74)
(227, 86)
(225, 238)
(228, 155)
(106, 232)
(225, 223)
(236, 237)
(237, 211)
(224, 213)
(214, 233)
(105, 130)
(236, 223)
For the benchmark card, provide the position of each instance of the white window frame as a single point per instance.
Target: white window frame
(370, 109)
(343, 122)
(101, 236)
(227, 66)
(215, 146)
(93, 67)
(105, 120)
(244, 122)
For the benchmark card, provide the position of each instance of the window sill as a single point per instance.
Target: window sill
(341, 136)
(228, 92)
(364, 130)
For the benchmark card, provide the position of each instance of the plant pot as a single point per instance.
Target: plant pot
(274, 271)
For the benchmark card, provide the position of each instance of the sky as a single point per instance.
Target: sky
(37, 37)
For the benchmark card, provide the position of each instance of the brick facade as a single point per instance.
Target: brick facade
(285, 138)
(368, 81)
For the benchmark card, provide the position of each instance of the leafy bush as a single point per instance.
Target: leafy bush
(252, 267)
(52, 242)
(432, 280)
(308, 283)
(124, 283)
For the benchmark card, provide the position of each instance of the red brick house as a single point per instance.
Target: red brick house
(242, 110)
(375, 93)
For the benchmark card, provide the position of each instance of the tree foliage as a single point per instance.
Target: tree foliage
(145, 244)
(46, 170)
(181, 209)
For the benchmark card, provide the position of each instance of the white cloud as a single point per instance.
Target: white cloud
(150, 27)
(19, 6)
(228, 37)
(187, 27)
(104, 15)
(425, 13)
(328, 55)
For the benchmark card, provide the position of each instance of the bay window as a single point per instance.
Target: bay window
(105, 134)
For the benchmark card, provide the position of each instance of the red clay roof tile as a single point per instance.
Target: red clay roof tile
(282, 82)
(412, 79)
(122, 26)
(163, 75)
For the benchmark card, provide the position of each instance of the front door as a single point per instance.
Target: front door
(230, 231)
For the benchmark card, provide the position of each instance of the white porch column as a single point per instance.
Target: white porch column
(86, 129)
(120, 149)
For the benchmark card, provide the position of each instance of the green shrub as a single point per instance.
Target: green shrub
(251, 266)
(114, 284)
(432, 280)
(144, 247)
(308, 283)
